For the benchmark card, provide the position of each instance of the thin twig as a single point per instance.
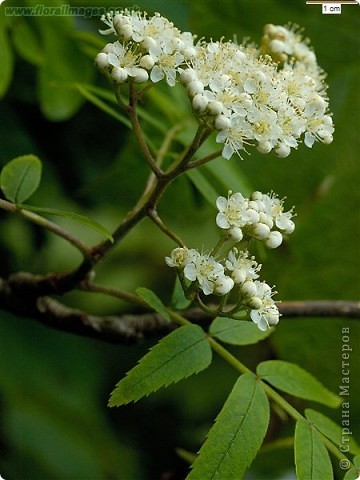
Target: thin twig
(202, 161)
(153, 215)
(139, 133)
(88, 286)
(48, 225)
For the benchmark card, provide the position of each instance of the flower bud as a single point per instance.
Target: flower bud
(119, 75)
(238, 275)
(215, 108)
(149, 43)
(194, 87)
(256, 196)
(199, 103)
(223, 285)
(272, 318)
(264, 147)
(102, 61)
(126, 32)
(253, 215)
(328, 139)
(264, 218)
(282, 150)
(147, 62)
(236, 234)
(190, 52)
(288, 227)
(222, 122)
(277, 46)
(140, 75)
(248, 289)
(254, 302)
(261, 231)
(274, 240)
(187, 76)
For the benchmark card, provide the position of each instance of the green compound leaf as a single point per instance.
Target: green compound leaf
(77, 217)
(237, 332)
(332, 431)
(20, 178)
(153, 301)
(237, 434)
(179, 355)
(312, 460)
(354, 472)
(290, 378)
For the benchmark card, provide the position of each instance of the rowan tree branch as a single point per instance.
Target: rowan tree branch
(18, 298)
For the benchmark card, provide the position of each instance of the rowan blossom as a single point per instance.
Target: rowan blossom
(272, 97)
(256, 217)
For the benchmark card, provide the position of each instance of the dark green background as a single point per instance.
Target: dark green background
(55, 386)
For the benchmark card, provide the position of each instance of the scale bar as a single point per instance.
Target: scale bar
(324, 2)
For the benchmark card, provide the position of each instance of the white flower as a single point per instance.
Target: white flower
(241, 266)
(274, 207)
(232, 211)
(268, 313)
(180, 257)
(166, 65)
(234, 136)
(206, 271)
(108, 20)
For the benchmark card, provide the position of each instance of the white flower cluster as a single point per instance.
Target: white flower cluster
(255, 217)
(249, 100)
(202, 268)
(239, 270)
(270, 97)
(147, 48)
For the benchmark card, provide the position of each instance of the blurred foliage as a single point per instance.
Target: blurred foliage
(55, 387)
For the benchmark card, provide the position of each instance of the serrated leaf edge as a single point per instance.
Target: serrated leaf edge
(113, 393)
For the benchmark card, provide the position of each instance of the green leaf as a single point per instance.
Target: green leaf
(354, 472)
(290, 378)
(77, 217)
(20, 178)
(237, 434)
(237, 332)
(312, 460)
(332, 431)
(153, 301)
(179, 355)
(7, 58)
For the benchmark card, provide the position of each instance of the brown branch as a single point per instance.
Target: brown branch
(320, 308)
(17, 297)
(120, 329)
